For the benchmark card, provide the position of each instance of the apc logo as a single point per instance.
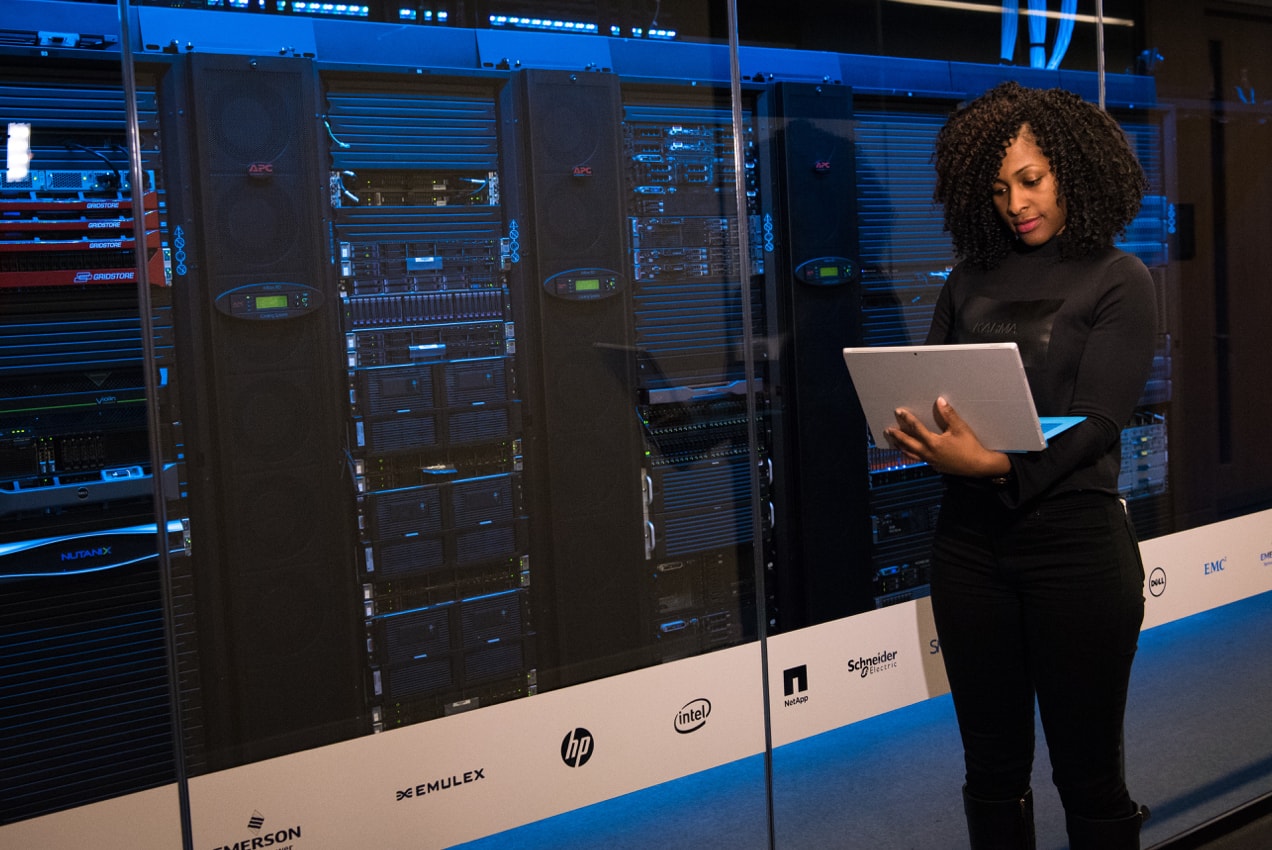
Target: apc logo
(795, 681)
(1212, 567)
(693, 716)
(577, 747)
(1157, 581)
(260, 170)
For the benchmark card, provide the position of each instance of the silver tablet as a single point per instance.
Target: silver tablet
(985, 383)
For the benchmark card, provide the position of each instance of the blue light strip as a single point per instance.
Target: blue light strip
(345, 10)
(543, 24)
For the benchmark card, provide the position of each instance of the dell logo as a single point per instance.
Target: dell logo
(1157, 581)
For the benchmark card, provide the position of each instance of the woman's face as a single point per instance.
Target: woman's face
(1025, 192)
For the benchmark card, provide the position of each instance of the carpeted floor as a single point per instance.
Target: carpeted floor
(1198, 741)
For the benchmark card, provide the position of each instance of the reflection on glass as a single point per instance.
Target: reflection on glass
(494, 363)
(84, 694)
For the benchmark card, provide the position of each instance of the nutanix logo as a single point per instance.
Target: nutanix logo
(795, 685)
(273, 839)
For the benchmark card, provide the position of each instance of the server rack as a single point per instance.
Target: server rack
(84, 686)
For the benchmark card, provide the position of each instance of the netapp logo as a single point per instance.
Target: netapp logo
(82, 554)
(280, 839)
(426, 788)
(886, 660)
(795, 681)
(1212, 567)
(1157, 581)
(577, 747)
(692, 716)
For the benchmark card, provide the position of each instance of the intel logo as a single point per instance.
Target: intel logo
(693, 716)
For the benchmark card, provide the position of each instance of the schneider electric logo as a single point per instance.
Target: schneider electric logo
(265, 838)
(886, 660)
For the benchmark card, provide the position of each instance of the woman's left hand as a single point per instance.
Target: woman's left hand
(956, 450)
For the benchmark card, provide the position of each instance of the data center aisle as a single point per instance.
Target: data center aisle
(1196, 731)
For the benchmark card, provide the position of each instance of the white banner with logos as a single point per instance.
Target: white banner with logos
(458, 778)
(827, 676)
(1192, 571)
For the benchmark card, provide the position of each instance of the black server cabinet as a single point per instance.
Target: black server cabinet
(258, 355)
(699, 320)
(434, 414)
(820, 482)
(584, 444)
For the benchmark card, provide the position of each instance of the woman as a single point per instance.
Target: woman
(1037, 585)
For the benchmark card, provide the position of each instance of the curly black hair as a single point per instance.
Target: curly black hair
(1097, 175)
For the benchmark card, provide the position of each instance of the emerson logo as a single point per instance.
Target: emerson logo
(693, 716)
(277, 839)
(577, 747)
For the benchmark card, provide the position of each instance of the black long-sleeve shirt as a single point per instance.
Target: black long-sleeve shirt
(1086, 331)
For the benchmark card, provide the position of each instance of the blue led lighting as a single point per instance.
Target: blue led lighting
(345, 10)
(545, 24)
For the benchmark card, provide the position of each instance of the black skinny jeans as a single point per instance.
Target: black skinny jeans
(1044, 602)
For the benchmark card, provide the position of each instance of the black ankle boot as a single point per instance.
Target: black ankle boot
(1115, 834)
(1000, 824)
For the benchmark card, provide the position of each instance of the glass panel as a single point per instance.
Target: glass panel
(85, 691)
(465, 414)
(513, 489)
(864, 711)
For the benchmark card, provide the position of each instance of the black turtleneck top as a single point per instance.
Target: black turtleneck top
(1086, 329)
